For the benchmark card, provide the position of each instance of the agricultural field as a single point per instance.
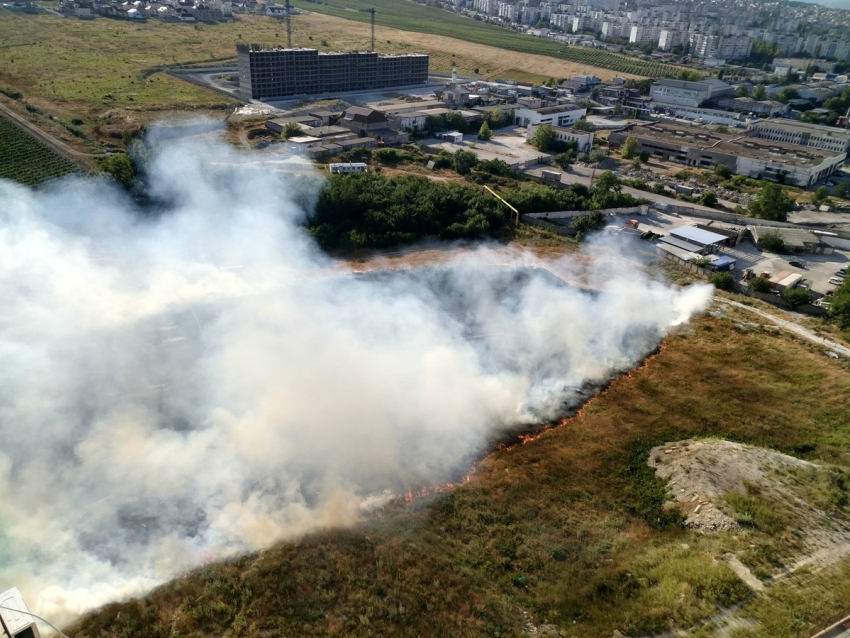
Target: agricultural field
(25, 160)
(413, 16)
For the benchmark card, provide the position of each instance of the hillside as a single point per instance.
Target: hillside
(569, 532)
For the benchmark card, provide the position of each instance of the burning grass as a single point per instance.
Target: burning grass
(569, 528)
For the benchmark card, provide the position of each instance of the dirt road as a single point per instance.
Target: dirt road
(83, 160)
(792, 326)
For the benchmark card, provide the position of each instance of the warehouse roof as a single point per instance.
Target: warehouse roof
(704, 138)
(682, 244)
(793, 237)
(698, 235)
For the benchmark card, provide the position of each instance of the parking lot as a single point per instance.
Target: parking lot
(817, 269)
(508, 145)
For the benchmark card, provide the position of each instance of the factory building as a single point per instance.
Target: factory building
(704, 148)
(274, 73)
(826, 138)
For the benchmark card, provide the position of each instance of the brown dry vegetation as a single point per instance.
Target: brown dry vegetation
(568, 529)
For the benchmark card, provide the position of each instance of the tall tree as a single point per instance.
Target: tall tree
(772, 203)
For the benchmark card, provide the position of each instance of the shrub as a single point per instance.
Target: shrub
(722, 280)
(291, 130)
(708, 199)
(464, 162)
(796, 296)
(630, 148)
(760, 285)
(484, 133)
(772, 242)
(387, 155)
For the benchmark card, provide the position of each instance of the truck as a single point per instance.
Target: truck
(554, 176)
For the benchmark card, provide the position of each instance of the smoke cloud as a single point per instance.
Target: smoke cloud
(181, 386)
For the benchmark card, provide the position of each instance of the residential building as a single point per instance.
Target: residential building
(273, 73)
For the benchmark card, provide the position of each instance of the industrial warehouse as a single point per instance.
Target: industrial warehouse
(279, 72)
(745, 154)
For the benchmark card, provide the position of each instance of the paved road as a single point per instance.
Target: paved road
(792, 326)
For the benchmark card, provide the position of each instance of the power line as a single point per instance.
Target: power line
(46, 622)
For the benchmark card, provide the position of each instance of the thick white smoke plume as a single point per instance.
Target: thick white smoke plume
(181, 386)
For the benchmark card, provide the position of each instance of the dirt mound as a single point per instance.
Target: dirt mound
(722, 486)
(701, 473)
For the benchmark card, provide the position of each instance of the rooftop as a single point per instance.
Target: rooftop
(560, 108)
(802, 127)
(705, 138)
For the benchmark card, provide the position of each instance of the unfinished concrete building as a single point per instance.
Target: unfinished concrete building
(274, 73)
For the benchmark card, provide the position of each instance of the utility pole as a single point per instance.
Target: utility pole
(288, 26)
(372, 11)
(497, 196)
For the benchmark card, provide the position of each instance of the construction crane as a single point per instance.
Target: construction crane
(288, 26)
(373, 11)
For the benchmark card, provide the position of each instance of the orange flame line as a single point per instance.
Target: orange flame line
(412, 494)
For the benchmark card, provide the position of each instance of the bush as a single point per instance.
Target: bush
(722, 280)
(772, 242)
(484, 133)
(708, 199)
(387, 155)
(291, 130)
(464, 162)
(759, 285)
(585, 224)
(630, 148)
(796, 296)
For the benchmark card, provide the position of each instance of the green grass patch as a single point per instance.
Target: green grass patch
(755, 511)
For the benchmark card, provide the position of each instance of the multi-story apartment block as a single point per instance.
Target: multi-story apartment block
(508, 11)
(641, 34)
(704, 46)
(273, 73)
(735, 47)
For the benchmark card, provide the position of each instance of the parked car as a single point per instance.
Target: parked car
(836, 281)
(797, 263)
(841, 272)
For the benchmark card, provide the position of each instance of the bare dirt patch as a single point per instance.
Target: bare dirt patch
(724, 486)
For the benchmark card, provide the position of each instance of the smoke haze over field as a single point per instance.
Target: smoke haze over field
(179, 387)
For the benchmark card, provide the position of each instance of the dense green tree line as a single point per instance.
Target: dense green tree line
(369, 210)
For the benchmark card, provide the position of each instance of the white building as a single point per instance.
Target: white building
(667, 39)
(583, 139)
(825, 138)
(564, 115)
(687, 93)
